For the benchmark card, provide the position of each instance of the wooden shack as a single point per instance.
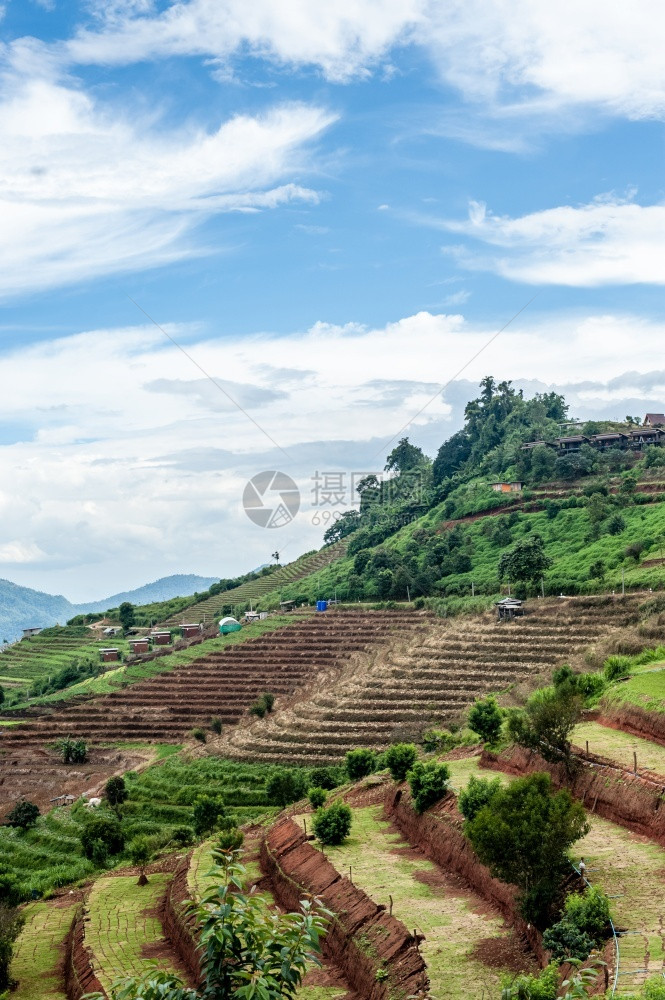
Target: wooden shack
(612, 439)
(572, 443)
(506, 487)
(654, 420)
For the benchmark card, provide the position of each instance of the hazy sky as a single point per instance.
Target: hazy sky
(331, 208)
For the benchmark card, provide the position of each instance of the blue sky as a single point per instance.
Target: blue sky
(332, 208)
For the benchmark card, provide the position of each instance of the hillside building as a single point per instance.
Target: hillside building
(29, 632)
(141, 645)
(654, 420)
(109, 655)
(191, 630)
(506, 487)
(161, 638)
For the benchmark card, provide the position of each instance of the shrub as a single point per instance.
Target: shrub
(485, 719)
(182, 836)
(634, 551)
(285, 786)
(73, 751)
(333, 825)
(216, 726)
(140, 852)
(327, 777)
(360, 763)
(543, 986)
(268, 700)
(258, 709)
(590, 685)
(478, 793)
(23, 815)
(317, 797)
(115, 791)
(230, 840)
(567, 941)
(399, 759)
(208, 810)
(616, 667)
(101, 836)
(432, 740)
(654, 989)
(428, 783)
(615, 524)
(11, 923)
(199, 734)
(589, 911)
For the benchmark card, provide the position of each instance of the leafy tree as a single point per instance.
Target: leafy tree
(248, 950)
(485, 718)
(317, 797)
(115, 791)
(2, 695)
(333, 825)
(23, 815)
(405, 456)
(428, 783)
(399, 759)
(126, 615)
(359, 763)
(543, 463)
(341, 527)
(327, 777)
(478, 793)
(11, 923)
(615, 525)
(451, 456)
(285, 786)
(547, 722)
(567, 941)
(208, 810)
(231, 839)
(140, 854)
(597, 570)
(102, 834)
(525, 562)
(523, 834)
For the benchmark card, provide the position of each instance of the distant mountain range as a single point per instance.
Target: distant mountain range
(22, 607)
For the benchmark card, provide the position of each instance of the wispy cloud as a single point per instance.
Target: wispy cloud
(610, 241)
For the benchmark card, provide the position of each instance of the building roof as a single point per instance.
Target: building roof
(608, 436)
(572, 439)
(655, 418)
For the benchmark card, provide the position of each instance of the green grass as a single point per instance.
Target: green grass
(160, 799)
(565, 541)
(645, 689)
(123, 924)
(39, 950)
(453, 922)
(619, 746)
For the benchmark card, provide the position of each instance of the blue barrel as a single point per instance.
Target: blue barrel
(321, 605)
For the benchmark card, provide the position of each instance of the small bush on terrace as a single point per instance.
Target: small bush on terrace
(543, 986)
(230, 840)
(208, 811)
(327, 777)
(216, 726)
(399, 759)
(182, 836)
(616, 667)
(23, 815)
(286, 786)
(115, 791)
(478, 793)
(199, 734)
(485, 718)
(428, 783)
(590, 911)
(566, 941)
(73, 751)
(102, 835)
(654, 989)
(360, 763)
(317, 797)
(333, 825)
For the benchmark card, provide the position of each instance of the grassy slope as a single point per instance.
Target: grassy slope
(645, 688)
(160, 799)
(38, 952)
(43, 655)
(619, 746)
(565, 543)
(452, 923)
(122, 923)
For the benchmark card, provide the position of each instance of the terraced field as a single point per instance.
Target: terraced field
(43, 655)
(38, 958)
(211, 608)
(429, 678)
(223, 683)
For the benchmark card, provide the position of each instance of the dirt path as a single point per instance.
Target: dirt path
(466, 945)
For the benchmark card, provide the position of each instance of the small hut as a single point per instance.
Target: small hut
(161, 638)
(191, 630)
(140, 645)
(509, 608)
(229, 624)
(110, 654)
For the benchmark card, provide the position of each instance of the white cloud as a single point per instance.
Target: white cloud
(607, 242)
(502, 52)
(85, 193)
(120, 484)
